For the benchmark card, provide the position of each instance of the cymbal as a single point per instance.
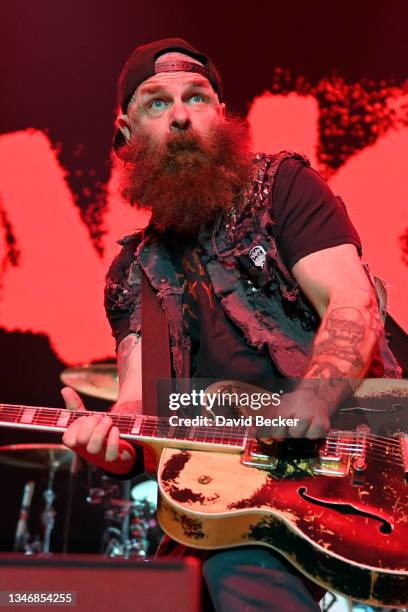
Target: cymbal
(36, 456)
(97, 380)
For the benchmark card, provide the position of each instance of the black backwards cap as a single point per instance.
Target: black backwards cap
(141, 66)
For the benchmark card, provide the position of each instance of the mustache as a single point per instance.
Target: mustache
(188, 142)
(144, 146)
(184, 150)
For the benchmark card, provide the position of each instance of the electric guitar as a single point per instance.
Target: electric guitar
(336, 508)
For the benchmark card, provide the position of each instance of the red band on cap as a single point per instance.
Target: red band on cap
(181, 65)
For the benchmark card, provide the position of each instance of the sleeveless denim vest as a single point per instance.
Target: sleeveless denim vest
(248, 275)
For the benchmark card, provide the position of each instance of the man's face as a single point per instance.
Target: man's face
(171, 102)
(184, 159)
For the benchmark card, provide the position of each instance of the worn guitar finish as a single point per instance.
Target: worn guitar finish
(336, 509)
(348, 538)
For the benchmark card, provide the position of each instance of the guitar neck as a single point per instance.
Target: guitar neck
(138, 428)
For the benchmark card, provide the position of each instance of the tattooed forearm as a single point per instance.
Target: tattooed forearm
(328, 383)
(344, 331)
(343, 347)
(123, 356)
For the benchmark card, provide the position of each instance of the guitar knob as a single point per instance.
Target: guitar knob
(359, 464)
(204, 479)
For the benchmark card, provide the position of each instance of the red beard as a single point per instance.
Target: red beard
(187, 180)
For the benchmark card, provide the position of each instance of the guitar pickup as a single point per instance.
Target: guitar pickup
(259, 455)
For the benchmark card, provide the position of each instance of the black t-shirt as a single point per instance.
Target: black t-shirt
(309, 218)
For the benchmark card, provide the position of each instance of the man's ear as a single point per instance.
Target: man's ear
(223, 109)
(124, 125)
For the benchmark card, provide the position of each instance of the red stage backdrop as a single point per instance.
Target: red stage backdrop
(59, 212)
(52, 274)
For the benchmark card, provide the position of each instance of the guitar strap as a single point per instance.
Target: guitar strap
(156, 364)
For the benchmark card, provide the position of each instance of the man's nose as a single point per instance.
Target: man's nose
(180, 119)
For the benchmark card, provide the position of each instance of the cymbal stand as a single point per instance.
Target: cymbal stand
(49, 513)
(22, 535)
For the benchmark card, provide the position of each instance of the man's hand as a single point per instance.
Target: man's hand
(304, 403)
(96, 439)
(312, 412)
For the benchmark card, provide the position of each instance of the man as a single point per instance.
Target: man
(257, 267)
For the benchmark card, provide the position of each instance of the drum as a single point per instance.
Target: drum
(131, 528)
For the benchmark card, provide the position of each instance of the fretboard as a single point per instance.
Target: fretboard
(137, 428)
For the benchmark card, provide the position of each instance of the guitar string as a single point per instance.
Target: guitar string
(220, 435)
(371, 449)
(53, 413)
(123, 420)
(225, 438)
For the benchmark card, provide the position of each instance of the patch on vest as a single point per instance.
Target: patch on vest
(258, 255)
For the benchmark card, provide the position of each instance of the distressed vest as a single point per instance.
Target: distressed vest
(248, 275)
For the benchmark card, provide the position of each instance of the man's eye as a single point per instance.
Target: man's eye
(197, 98)
(157, 104)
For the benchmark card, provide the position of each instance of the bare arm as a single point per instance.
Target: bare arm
(96, 438)
(335, 283)
(129, 361)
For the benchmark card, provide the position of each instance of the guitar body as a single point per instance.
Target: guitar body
(336, 508)
(346, 534)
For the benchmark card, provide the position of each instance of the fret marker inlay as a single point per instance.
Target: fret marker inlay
(137, 425)
(28, 415)
(63, 419)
